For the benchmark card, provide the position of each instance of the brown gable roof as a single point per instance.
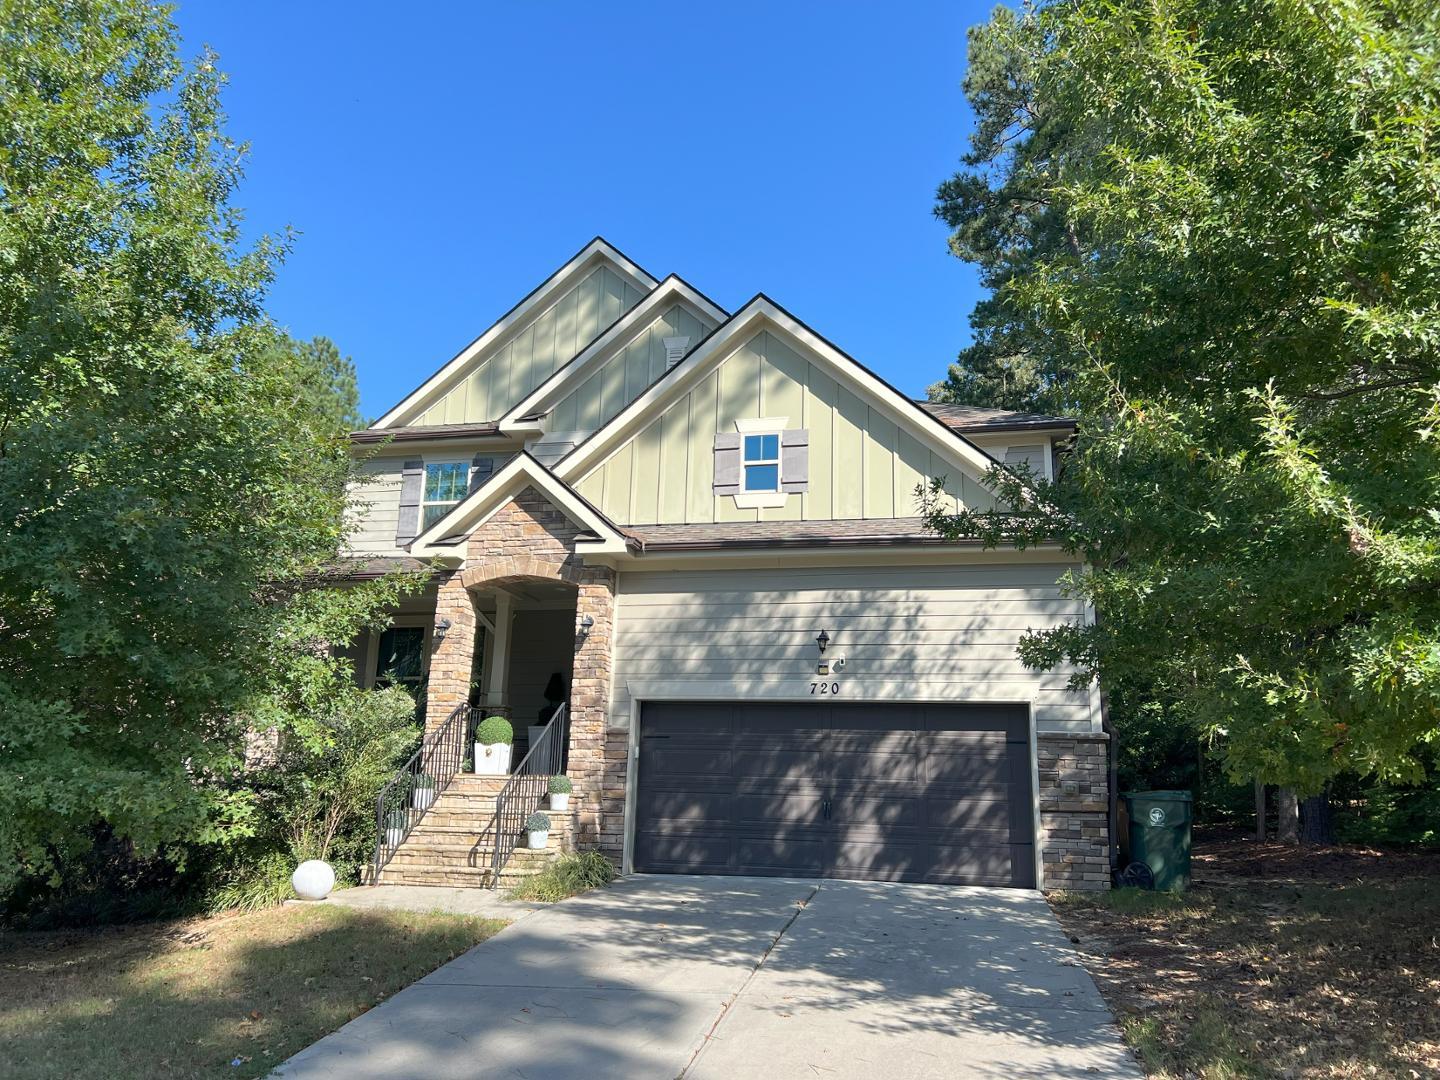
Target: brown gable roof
(972, 419)
(432, 431)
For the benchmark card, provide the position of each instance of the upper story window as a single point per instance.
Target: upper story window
(446, 483)
(761, 461)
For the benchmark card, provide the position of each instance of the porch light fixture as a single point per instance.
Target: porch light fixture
(441, 629)
(586, 622)
(823, 640)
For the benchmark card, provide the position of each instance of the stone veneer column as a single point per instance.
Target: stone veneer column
(531, 538)
(601, 820)
(451, 659)
(1074, 810)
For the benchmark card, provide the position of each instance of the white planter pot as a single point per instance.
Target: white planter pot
(538, 840)
(313, 880)
(394, 837)
(559, 802)
(492, 760)
(421, 798)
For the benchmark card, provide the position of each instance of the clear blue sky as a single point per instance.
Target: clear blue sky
(440, 160)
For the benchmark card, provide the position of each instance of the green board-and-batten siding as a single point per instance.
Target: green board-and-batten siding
(861, 464)
(532, 354)
(621, 378)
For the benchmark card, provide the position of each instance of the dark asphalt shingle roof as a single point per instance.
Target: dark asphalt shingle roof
(429, 431)
(735, 534)
(972, 419)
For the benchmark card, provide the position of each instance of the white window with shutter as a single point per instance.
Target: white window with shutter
(762, 463)
(446, 483)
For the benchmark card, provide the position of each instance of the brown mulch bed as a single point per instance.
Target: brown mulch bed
(1279, 962)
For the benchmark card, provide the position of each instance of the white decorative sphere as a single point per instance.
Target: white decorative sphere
(313, 880)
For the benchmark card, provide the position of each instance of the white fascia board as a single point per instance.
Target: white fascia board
(571, 374)
(485, 502)
(763, 313)
(529, 308)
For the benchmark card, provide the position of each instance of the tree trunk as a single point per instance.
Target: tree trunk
(1317, 825)
(1287, 831)
(1259, 810)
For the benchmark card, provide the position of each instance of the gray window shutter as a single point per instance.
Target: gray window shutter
(727, 463)
(795, 461)
(412, 486)
(481, 469)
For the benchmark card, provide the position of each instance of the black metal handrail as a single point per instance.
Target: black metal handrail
(526, 790)
(404, 800)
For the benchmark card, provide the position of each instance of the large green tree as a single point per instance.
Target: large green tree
(1217, 226)
(170, 492)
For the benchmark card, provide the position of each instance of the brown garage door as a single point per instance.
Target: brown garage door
(887, 792)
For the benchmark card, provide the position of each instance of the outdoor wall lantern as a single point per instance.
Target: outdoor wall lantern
(586, 622)
(823, 640)
(441, 629)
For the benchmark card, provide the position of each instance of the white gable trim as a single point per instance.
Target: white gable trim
(572, 374)
(759, 314)
(548, 291)
(485, 502)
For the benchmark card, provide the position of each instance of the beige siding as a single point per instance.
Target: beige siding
(621, 378)
(860, 464)
(534, 352)
(907, 633)
(375, 496)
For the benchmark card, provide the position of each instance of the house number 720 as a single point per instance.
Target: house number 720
(824, 688)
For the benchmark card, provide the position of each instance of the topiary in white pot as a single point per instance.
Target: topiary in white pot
(537, 827)
(560, 789)
(395, 824)
(494, 738)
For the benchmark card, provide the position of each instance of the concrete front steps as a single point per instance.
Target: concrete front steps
(446, 846)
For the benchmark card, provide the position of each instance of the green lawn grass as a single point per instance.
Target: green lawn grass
(188, 998)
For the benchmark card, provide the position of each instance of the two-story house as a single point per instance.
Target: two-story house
(705, 522)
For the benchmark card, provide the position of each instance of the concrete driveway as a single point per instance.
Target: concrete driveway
(712, 978)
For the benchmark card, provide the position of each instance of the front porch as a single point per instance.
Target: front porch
(522, 630)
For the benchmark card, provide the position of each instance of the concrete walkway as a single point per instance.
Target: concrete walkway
(732, 978)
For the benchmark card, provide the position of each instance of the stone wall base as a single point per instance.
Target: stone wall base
(1074, 810)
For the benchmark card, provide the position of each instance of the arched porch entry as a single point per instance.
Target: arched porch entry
(522, 607)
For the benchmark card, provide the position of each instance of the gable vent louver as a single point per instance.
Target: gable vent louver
(675, 349)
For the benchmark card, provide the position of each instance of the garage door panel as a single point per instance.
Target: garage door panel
(887, 809)
(696, 719)
(1013, 720)
(769, 809)
(670, 808)
(779, 763)
(874, 791)
(687, 853)
(779, 855)
(887, 766)
(874, 716)
(682, 760)
(971, 813)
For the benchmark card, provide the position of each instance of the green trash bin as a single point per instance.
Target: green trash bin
(1160, 835)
